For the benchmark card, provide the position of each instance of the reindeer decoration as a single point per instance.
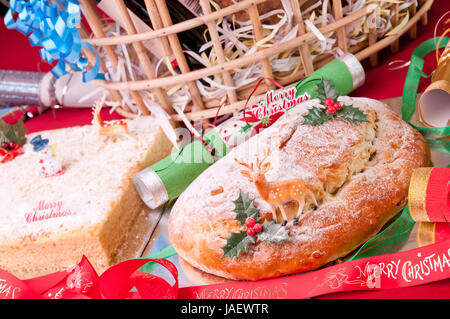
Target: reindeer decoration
(277, 193)
(119, 127)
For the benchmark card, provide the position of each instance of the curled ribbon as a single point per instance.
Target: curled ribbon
(433, 135)
(82, 282)
(53, 27)
(250, 117)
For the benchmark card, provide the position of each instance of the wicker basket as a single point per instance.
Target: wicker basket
(199, 107)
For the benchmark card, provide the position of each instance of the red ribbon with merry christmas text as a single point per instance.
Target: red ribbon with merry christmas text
(403, 269)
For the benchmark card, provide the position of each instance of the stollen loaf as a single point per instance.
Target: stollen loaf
(297, 196)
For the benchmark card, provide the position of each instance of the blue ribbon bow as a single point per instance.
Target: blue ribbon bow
(53, 28)
(38, 143)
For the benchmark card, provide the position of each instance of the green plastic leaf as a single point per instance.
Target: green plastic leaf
(244, 208)
(273, 233)
(326, 89)
(13, 133)
(245, 128)
(316, 116)
(236, 244)
(351, 114)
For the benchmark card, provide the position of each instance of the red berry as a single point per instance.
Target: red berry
(337, 106)
(250, 222)
(12, 145)
(5, 145)
(331, 109)
(328, 102)
(257, 228)
(250, 232)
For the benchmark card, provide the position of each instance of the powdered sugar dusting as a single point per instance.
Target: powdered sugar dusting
(359, 172)
(312, 156)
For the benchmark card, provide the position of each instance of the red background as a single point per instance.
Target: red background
(17, 54)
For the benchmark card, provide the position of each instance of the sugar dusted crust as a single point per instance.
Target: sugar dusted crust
(96, 188)
(359, 172)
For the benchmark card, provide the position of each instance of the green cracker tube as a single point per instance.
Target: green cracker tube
(171, 176)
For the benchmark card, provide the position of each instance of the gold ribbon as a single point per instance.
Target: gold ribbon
(417, 193)
(426, 234)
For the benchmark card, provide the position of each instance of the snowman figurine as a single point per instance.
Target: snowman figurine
(49, 162)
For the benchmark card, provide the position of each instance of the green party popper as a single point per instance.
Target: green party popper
(169, 177)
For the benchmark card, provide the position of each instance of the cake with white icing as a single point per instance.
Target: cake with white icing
(49, 223)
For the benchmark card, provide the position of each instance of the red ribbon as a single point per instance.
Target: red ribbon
(82, 282)
(11, 154)
(272, 118)
(253, 92)
(403, 269)
(437, 199)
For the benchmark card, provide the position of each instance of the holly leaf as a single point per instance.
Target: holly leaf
(13, 132)
(273, 232)
(351, 114)
(236, 244)
(316, 116)
(244, 208)
(326, 89)
(239, 242)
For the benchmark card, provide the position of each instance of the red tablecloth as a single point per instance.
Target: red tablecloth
(17, 54)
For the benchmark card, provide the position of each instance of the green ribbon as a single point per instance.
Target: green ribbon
(390, 240)
(165, 253)
(431, 134)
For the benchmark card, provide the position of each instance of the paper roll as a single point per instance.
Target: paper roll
(434, 105)
(71, 91)
(443, 69)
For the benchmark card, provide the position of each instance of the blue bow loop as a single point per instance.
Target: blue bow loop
(54, 29)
